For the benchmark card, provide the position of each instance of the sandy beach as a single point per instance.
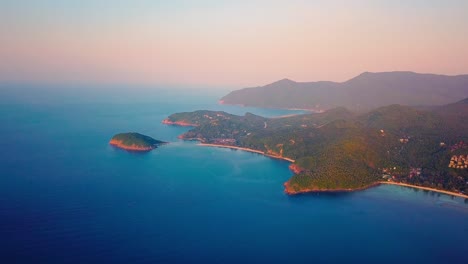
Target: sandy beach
(426, 188)
(245, 149)
(304, 191)
(289, 191)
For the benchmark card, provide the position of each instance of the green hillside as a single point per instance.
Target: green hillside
(337, 149)
(136, 139)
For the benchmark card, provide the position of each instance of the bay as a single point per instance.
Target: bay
(66, 196)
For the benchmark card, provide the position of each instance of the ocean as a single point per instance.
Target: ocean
(66, 196)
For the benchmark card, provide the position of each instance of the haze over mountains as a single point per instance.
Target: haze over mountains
(362, 93)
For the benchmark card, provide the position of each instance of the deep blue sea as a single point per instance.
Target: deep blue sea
(66, 196)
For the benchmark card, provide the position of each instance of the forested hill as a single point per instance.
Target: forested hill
(340, 150)
(362, 93)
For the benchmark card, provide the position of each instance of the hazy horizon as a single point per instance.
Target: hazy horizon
(165, 131)
(235, 45)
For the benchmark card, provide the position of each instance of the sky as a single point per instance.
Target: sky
(227, 43)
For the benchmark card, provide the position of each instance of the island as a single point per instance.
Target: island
(339, 150)
(135, 142)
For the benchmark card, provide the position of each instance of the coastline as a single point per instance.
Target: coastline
(287, 189)
(178, 123)
(119, 144)
(290, 115)
(245, 149)
(426, 188)
(295, 169)
(316, 111)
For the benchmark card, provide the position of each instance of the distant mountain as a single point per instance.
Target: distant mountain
(362, 93)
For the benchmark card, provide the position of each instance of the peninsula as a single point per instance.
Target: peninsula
(340, 150)
(135, 142)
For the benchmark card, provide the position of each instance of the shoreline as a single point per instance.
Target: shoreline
(285, 116)
(245, 149)
(304, 191)
(290, 192)
(178, 123)
(310, 110)
(287, 187)
(426, 189)
(120, 145)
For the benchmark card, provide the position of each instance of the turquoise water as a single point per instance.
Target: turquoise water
(66, 196)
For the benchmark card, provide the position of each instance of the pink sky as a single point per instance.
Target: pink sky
(237, 44)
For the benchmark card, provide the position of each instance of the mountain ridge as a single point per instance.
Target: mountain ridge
(367, 91)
